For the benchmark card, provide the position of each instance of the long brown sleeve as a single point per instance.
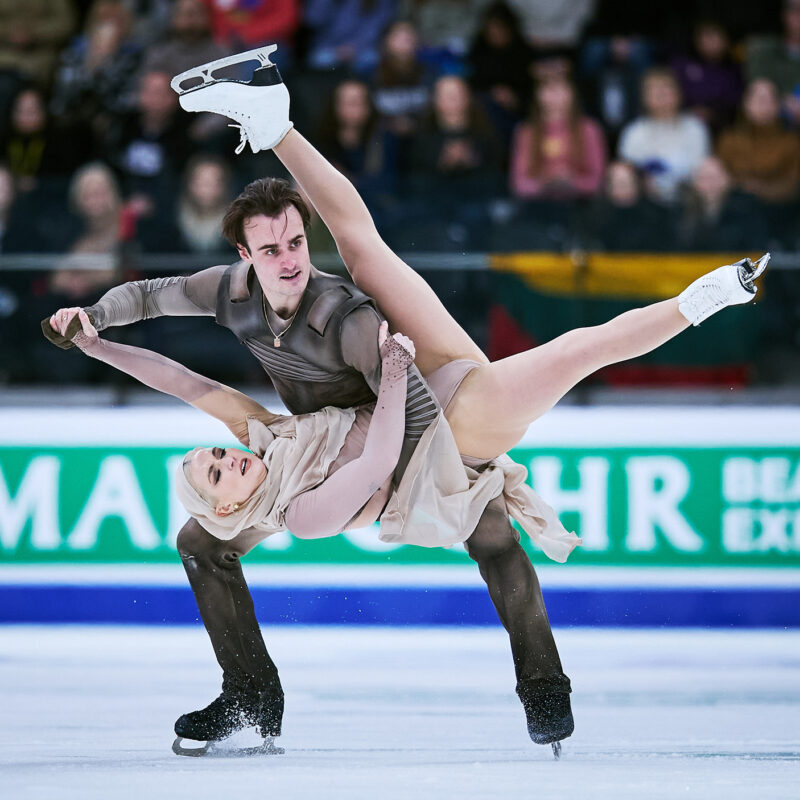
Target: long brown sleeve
(195, 295)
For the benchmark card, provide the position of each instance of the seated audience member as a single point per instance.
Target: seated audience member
(445, 27)
(246, 24)
(558, 154)
(664, 143)
(499, 63)
(32, 147)
(148, 146)
(95, 78)
(710, 79)
(762, 156)
(346, 34)
(775, 58)
(352, 138)
(188, 42)
(455, 154)
(401, 83)
(194, 223)
(547, 24)
(715, 217)
(623, 219)
(610, 75)
(31, 34)
(96, 202)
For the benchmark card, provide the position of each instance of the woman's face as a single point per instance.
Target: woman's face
(451, 96)
(661, 96)
(760, 103)
(207, 185)
(352, 103)
(711, 42)
(96, 196)
(226, 475)
(622, 185)
(28, 115)
(401, 41)
(710, 179)
(555, 98)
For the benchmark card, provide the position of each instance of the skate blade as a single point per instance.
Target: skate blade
(760, 266)
(216, 750)
(205, 71)
(556, 750)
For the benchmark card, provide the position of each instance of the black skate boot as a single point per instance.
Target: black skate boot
(547, 709)
(236, 708)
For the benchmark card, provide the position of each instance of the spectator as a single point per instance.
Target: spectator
(352, 138)
(499, 61)
(710, 80)
(666, 144)
(623, 219)
(717, 218)
(777, 59)
(558, 154)
(149, 145)
(445, 27)
(401, 90)
(456, 152)
(554, 23)
(95, 200)
(94, 79)
(195, 224)
(189, 41)
(611, 70)
(761, 155)
(31, 34)
(246, 24)
(346, 33)
(31, 146)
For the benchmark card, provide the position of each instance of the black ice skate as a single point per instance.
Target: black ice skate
(547, 709)
(199, 732)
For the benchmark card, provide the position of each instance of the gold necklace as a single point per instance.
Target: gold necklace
(276, 342)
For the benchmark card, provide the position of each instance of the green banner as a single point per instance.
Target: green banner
(633, 506)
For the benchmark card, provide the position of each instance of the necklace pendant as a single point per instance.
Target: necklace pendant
(276, 342)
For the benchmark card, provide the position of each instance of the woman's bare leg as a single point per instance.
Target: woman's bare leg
(410, 305)
(494, 405)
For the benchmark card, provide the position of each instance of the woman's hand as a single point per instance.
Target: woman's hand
(85, 336)
(397, 350)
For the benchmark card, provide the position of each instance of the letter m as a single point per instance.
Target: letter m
(36, 500)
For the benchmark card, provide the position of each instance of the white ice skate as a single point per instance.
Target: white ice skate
(259, 106)
(730, 285)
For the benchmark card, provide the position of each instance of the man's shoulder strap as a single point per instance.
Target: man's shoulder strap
(335, 297)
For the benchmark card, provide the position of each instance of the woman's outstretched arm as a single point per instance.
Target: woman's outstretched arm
(219, 401)
(326, 510)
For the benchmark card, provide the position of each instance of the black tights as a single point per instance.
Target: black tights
(226, 608)
(515, 592)
(215, 573)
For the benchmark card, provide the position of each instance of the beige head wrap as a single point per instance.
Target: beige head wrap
(297, 452)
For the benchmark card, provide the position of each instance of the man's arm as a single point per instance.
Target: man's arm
(180, 296)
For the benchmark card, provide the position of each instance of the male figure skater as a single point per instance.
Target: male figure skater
(315, 336)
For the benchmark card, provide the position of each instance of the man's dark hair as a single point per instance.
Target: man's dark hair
(267, 196)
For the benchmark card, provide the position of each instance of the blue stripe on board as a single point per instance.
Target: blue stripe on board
(718, 607)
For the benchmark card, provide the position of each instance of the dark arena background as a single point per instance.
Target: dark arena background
(544, 165)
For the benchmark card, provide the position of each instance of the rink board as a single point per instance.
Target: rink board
(710, 495)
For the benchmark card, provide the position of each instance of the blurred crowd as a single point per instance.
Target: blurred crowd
(466, 125)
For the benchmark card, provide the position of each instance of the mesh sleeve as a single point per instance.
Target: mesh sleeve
(195, 295)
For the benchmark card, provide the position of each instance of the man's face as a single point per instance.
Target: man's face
(278, 250)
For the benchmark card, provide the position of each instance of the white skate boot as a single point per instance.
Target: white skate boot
(725, 286)
(260, 106)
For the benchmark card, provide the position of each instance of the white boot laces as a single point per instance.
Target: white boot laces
(242, 138)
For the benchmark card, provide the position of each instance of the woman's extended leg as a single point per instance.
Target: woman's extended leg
(410, 305)
(506, 396)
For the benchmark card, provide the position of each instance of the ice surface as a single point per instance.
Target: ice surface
(384, 713)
